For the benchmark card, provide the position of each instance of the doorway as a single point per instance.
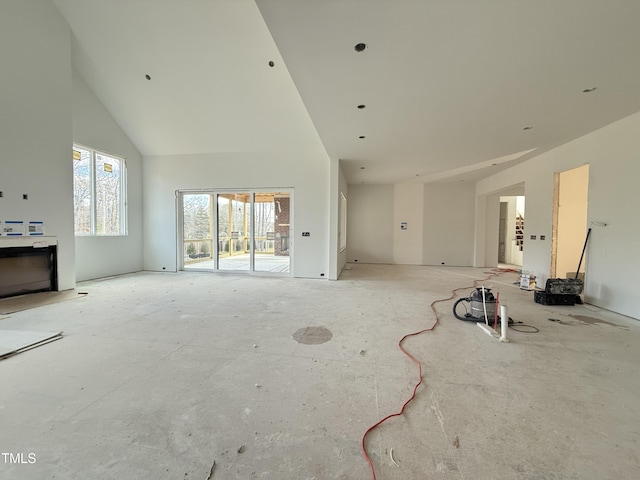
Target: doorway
(569, 229)
(239, 231)
(511, 230)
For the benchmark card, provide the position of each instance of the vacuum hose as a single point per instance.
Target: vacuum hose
(467, 315)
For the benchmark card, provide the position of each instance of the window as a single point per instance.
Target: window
(343, 222)
(99, 193)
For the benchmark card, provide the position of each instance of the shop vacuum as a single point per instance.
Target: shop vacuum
(475, 305)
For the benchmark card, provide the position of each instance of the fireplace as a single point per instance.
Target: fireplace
(27, 266)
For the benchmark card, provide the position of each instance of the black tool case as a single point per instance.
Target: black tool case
(559, 291)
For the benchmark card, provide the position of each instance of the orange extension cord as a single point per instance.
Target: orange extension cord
(494, 273)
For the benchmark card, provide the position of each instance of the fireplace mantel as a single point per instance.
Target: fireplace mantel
(28, 241)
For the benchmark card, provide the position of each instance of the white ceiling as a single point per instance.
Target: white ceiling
(449, 85)
(211, 88)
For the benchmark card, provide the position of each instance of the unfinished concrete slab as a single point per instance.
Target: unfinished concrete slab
(161, 375)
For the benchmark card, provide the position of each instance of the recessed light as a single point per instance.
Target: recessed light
(527, 128)
(361, 106)
(147, 76)
(362, 136)
(589, 90)
(360, 47)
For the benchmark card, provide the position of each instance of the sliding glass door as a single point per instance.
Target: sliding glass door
(234, 239)
(272, 227)
(236, 231)
(197, 231)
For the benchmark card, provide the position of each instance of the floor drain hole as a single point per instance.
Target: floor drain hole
(312, 335)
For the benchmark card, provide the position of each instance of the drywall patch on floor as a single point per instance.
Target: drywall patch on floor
(13, 342)
(594, 320)
(312, 335)
(34, 300)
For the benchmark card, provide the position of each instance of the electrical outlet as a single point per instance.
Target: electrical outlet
(306, 234)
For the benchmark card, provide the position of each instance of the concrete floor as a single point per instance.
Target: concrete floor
(157, 378)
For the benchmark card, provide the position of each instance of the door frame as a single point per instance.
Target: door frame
(555, 221)
(179, 194)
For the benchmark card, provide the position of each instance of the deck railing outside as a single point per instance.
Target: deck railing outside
(201, 249)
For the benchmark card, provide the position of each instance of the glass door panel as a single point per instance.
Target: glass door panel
(271, 220)
(233, 245)
(197, 231)
(236, 231)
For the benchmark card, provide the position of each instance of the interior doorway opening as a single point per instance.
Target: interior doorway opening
(569, 229)
(511, 230)
(236, 231)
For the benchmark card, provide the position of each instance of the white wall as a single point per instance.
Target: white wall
(307, 172)
(344, 189)
(35, 123)
(370, 213)
(440, 224)
(449, 213)
(337, 259)
(408, 207)
(93, 126)
(613, 155)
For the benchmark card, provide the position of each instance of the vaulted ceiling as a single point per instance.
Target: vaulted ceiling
(451, 89)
